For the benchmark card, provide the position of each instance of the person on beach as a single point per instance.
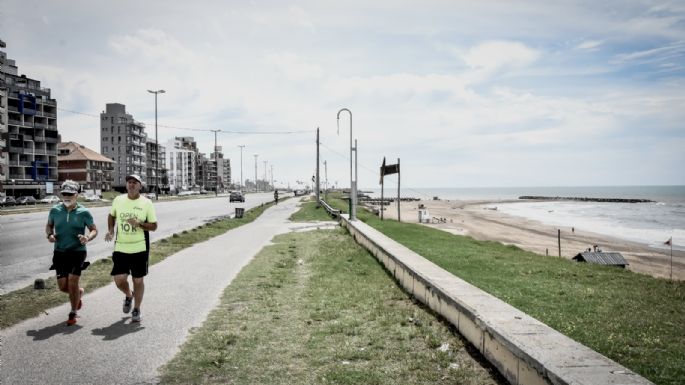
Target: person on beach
(134, 216)
(276, 196)
(65, 228)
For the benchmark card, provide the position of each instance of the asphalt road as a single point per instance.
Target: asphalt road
(105, 347)
(25, 253)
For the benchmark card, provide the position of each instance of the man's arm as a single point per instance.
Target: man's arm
(50, 231)
(111, 221)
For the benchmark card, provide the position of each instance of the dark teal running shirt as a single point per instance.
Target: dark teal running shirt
(69, 225)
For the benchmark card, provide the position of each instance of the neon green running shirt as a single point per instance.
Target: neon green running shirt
(131, 240)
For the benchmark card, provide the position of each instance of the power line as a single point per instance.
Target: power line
(207, 129)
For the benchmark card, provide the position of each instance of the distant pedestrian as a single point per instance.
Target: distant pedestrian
(276, 196)
(134, 216)
(66, 226)
(573, 229)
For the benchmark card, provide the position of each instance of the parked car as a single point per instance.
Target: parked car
(50, 199)
(26, 200)
(7, 201)
(151, 196)
(236, 196)
(91, 198)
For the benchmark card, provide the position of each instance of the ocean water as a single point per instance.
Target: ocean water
(648, 223)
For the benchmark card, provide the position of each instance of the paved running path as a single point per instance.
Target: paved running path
(104, 347)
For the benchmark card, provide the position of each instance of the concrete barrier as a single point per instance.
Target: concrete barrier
(523, 349)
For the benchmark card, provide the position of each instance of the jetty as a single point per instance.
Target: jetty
(586, 199)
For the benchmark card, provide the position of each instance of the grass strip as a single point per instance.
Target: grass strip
(310, 212)
(27, 302)
(634, 319)
(315, 308)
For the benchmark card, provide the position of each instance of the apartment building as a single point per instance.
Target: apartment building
(182, 163)
(157, 178)
(91, 170)
(28, 148)
(123, 140)
(4, 155)
(223, 165)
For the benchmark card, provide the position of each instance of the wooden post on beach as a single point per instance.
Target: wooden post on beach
(559, 241)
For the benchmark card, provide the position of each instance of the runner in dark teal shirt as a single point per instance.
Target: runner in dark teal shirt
(66, 226)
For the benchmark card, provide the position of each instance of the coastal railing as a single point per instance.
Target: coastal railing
(335, 213)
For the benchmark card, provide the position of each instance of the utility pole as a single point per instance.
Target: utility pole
(318, 194)
(272, 177)
(157, 145)
(266, 180)
(325, 171)
(353, 180)
(256, 186)
(241, 167)
(216, 165)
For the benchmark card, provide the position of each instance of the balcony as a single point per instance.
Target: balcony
(50, 114)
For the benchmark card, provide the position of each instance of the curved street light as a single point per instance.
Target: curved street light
(353, 182)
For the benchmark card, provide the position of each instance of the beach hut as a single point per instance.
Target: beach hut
(602, 258)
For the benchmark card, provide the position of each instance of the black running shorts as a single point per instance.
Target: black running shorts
(135, 264)
(68, 262)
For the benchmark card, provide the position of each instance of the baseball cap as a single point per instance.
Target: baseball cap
(69, 187)
(134, 176)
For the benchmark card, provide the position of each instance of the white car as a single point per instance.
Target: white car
(50, 199)
(91, 198)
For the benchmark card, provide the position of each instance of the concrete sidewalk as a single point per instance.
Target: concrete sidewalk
(104, 347)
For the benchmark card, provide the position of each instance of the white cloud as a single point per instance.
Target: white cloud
(494, 56)
(589, 45)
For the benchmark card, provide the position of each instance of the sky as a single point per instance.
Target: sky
(464, 93)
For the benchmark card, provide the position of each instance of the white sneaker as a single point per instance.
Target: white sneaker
(135, 316)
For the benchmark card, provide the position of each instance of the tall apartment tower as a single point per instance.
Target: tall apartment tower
(156, 166)
(223, 167)
(182, 162)
(123, 140)
(28, 132)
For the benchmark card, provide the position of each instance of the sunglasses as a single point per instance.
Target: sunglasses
(68, 194)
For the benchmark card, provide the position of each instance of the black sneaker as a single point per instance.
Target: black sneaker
(135, 316)
(127, 305)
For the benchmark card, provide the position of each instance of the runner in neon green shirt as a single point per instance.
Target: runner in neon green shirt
(134, 216)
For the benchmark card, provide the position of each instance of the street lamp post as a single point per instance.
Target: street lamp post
(241, 166)
(156, 145)
(353, 182)
(256, 188)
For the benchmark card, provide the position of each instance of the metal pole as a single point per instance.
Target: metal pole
(353, 187)
(356, 173)
(241, 167)
(559, 241)
(325, 171)
(216, 165)
(256, 188)
(265, 177)
(156, 169)
(272, 177)
(399, 171)
(318, 193)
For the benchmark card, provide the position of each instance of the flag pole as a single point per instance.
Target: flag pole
(671, 258)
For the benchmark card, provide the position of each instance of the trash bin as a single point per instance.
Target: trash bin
(239, 211)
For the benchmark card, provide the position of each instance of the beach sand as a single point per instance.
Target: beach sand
(480, 220)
